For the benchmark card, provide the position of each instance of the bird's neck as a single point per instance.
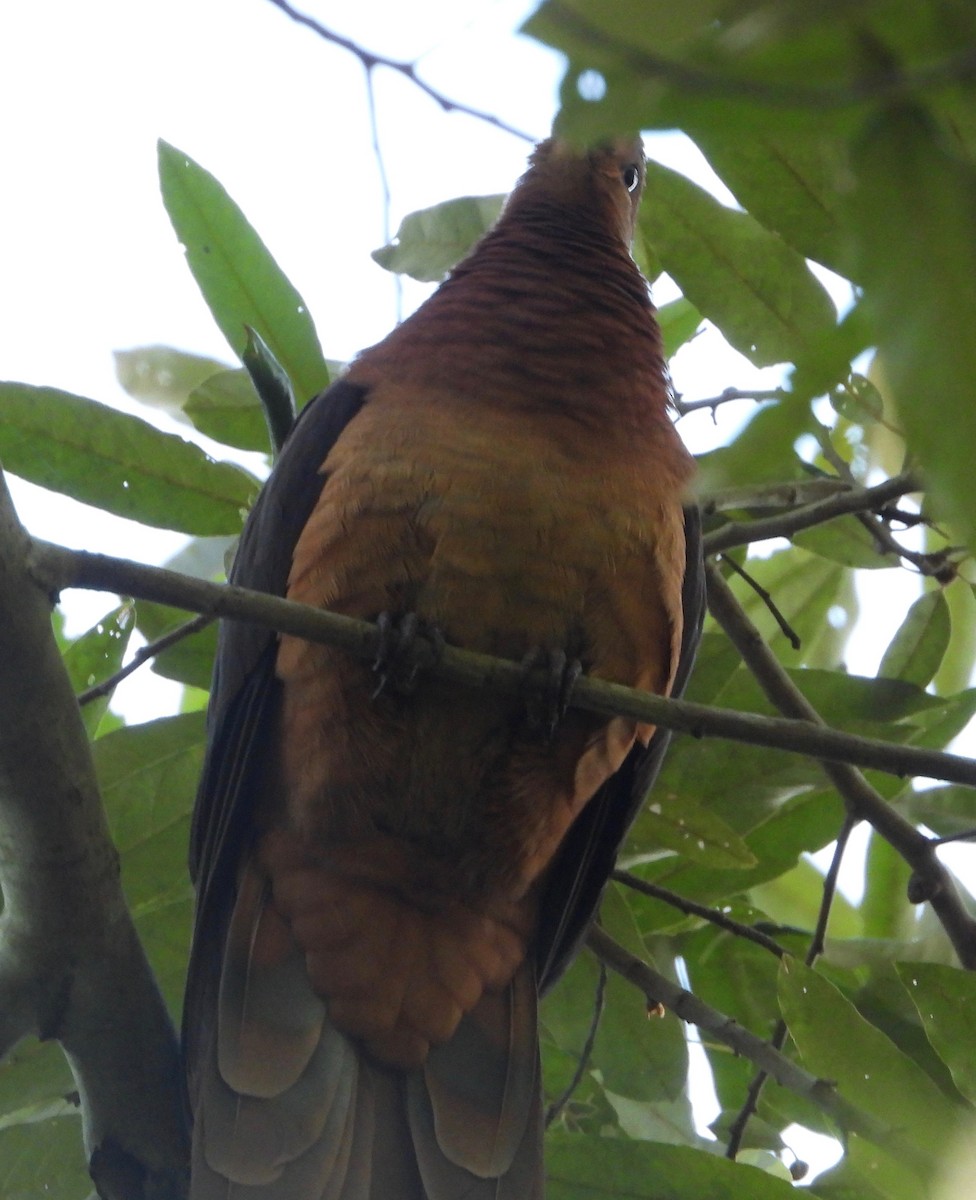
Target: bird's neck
(550, 314)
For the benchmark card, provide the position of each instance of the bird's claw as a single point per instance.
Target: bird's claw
(407, 645)
(547, 696)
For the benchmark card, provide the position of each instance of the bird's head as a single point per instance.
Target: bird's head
(605, 181)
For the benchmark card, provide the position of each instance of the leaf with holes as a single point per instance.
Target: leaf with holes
(240, 280)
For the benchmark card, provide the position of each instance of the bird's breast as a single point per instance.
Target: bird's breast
(507, 533)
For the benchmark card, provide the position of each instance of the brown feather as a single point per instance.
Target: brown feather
(510, 475)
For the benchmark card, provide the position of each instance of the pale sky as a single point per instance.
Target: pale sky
(88, 260)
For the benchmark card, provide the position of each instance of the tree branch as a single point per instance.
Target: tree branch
(815, 949)
(684, 407)
(55, 567)
(743, 533)
(863, 802)
(407, 69)
(141, 657)
(599, 1003)
(660, 990)
(693, 909)
(71, 966)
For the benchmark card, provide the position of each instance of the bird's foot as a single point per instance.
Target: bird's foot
(408, 644)
(548, 679)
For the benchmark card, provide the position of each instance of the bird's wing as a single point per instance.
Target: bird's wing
(586, 857)
(242, 697)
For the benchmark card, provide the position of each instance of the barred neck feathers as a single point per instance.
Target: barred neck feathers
(549, 311)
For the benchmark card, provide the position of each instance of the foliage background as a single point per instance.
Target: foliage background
(847, 135)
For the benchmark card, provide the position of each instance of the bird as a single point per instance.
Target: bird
(390, 869)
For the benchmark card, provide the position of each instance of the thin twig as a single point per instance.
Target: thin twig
(56, 567)
(693, 909)
(886, 84)
(785, 627)
(599, 1003)
(828, 450)
(936, 564)
(816, 946)
(374, 132)
(150, 650)
(407, 69)
(684, 407)
(815, 949)
(862, 801)
(742, 533)
(658, 989)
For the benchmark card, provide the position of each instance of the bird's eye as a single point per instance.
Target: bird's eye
(631, 177)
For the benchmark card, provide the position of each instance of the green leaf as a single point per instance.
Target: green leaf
(594, 1168)
(869, 1173)
(844, 540)
(802, 825)
(96, 656)
(162, 376)
(679, 322)
(848, 700)
(189, 660)
(148, 776)
(645, 1060)
(737, 976)
(885, 911)
(917, 649)
(835, 1042)
(429, 242)
(794, 898)
(937, 726)
(45, 1158)
(626, 48)
(669, 821)
(34, 1074)
(805, 587)
(118, 462)
(917, 194)
(858, 400)
(240, 280)
(748, 281)
(957, 663)
(947, 810)
(946, 1001)
(762, 453)
(668, 1121)
(789, 182)
(226, 408)
(716, 662)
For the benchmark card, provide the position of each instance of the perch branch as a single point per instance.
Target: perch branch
(55, 567)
